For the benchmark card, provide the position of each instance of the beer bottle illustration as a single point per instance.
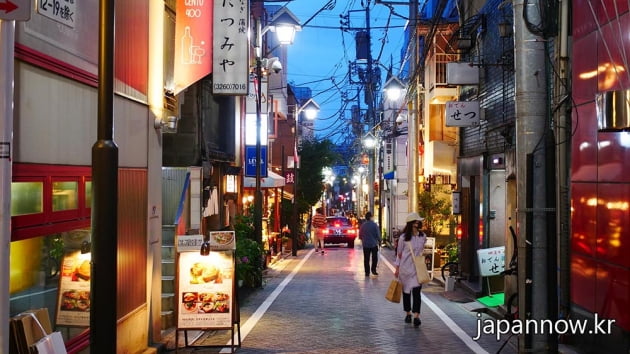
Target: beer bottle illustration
(187, 42)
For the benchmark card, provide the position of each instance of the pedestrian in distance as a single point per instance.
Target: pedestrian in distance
(318, 224)
(405, 271)
(370, 235)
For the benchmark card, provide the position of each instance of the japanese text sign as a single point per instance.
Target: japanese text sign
(462, 114)
(491, 261)
(230, 47)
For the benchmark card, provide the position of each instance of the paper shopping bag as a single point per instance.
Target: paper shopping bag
(50, 344)
(394, 291)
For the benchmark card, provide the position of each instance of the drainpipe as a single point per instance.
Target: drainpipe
(7, 38)
(563, 156)
(530, 105)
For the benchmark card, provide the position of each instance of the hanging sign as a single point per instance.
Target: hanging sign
(230, 63)
(462, 113)
(193, 43)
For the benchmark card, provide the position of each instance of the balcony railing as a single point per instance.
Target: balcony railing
(436, 69)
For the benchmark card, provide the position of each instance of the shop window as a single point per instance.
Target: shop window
(27, 198)
(46, 199)
(88, 194)
(65, 196)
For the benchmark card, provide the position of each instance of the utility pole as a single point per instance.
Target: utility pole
(412, 123)
(369, 101)
(531, 158)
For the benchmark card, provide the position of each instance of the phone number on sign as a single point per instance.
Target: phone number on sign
(229, 86)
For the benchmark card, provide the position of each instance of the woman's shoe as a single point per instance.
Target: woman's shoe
(408, 319)
(416, 322)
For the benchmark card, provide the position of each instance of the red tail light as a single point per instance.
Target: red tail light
(459, 231)
(326, 232)
(352, 231)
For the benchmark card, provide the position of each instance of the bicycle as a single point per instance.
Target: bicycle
(452, 268)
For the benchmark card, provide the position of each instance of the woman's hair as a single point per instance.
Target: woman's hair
(407, 231)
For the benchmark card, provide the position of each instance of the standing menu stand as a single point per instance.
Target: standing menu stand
(205, 286)
(491, 263)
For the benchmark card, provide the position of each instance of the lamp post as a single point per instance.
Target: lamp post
(310, 109)
(394, 91)
(285, 24)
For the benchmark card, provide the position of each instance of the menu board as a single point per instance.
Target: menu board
(205, 296)
(73, 302)
(491, 261)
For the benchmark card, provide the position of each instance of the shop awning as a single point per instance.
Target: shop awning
(273, 180)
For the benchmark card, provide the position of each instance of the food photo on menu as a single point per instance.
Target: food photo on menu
(207, 302)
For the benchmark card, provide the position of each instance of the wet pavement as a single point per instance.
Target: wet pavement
(317, 303)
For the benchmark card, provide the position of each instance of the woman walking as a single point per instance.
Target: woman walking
(412, 240)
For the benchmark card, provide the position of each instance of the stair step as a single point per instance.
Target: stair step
(168, 301)
(168, 235)
(168, 284)
(168, 267)
(168, 319)
(168, 252)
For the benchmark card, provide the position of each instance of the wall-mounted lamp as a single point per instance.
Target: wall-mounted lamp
(167, 124)
(86, 247)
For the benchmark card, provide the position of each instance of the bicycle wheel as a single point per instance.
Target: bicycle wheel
(452, 268)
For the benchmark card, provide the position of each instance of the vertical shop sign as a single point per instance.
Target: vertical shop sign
(193, 37)
(230, 62)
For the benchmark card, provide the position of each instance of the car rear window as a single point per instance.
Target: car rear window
(336, 222)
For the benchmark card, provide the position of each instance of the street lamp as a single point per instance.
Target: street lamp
(394, 90)
(284, 23)
(310, 109)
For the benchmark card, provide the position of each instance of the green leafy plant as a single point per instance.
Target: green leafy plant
(244, 226)
(249, 262)
(436, 210)
(451, 252)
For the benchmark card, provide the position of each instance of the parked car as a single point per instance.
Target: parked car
(340, 230)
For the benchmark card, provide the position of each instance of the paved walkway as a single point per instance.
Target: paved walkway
(317, 303)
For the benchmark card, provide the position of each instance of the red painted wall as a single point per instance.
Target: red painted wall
(600, 175)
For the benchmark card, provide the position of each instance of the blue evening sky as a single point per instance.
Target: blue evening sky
(319, 58)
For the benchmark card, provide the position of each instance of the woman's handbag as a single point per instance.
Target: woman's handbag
(421, 267)
(394, 292)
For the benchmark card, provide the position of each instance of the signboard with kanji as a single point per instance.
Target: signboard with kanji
(462, 114)
(230, 48)
(491, 261)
